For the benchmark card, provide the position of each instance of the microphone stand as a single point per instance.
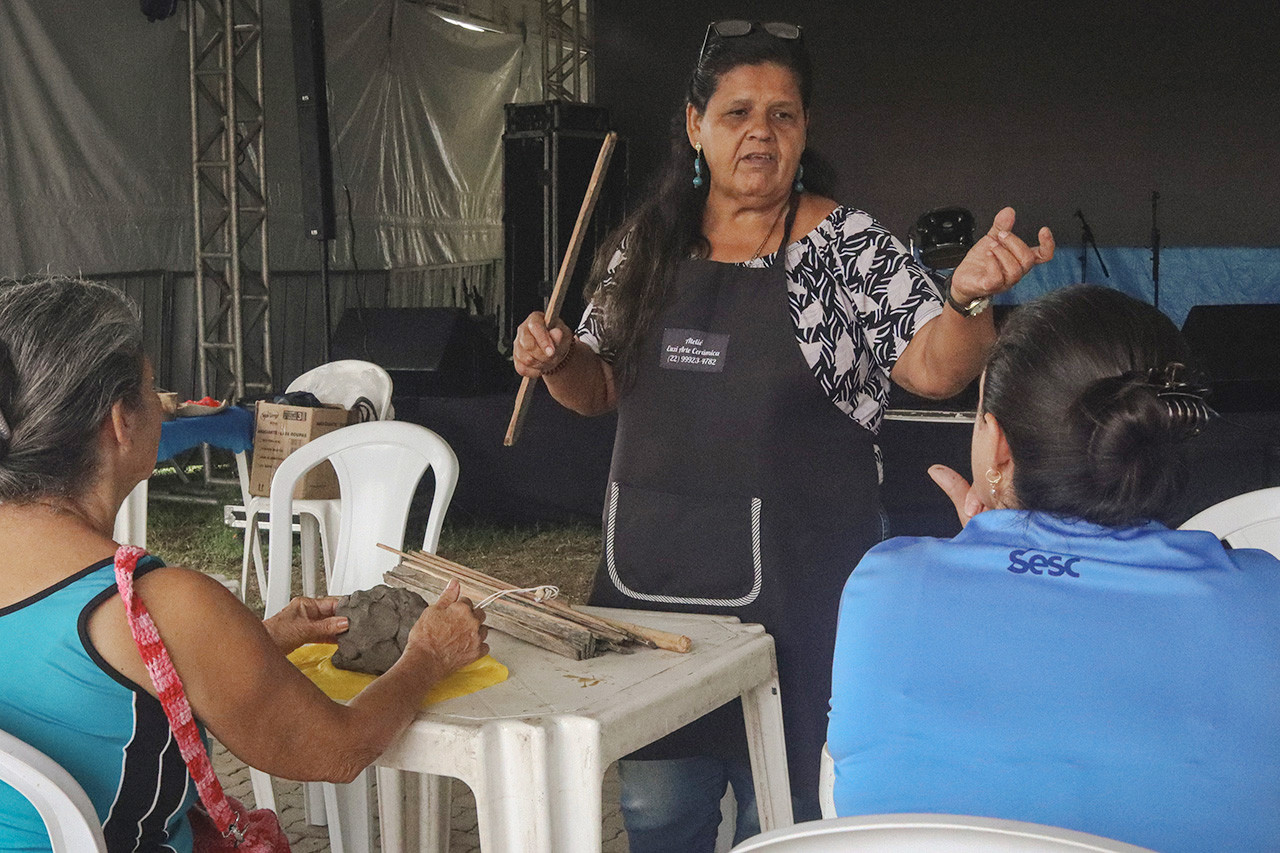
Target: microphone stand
(1155, 251)
(1086, 240)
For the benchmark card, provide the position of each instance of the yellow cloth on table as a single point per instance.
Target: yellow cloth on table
(316, 662)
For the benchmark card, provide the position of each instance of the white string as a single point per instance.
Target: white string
(540, 594)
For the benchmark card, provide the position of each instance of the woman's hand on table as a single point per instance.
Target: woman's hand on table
(998, 260)
(306, 620)
(450, 633)
(964, 497)
(539, 347)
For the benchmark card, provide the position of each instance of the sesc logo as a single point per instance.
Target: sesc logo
(1025, 560)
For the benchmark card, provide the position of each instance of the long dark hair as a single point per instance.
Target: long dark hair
(667, 226)
(1074, 382)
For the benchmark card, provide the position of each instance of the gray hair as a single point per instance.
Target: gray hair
(69, 349)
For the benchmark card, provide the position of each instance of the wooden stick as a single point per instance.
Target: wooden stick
(638, 633)
(609, 629)
(511, 617)
(594, 187)
(661, 639)
(600, 625)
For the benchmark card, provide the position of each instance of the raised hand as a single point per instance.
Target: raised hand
(964, 497)
(996, 262)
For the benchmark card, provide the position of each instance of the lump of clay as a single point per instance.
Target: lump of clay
(380, 619)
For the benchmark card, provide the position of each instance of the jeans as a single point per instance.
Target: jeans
(674, 806)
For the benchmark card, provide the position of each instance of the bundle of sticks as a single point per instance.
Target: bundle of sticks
(547, 623)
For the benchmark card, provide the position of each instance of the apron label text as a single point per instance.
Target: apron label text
(690, 349)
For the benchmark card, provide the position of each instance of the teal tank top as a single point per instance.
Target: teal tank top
(60, 696)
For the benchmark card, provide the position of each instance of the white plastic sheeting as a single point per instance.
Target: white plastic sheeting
(95, 163)
(416, 106)
(95, 156)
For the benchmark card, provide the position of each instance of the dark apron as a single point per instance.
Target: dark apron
(737, 487)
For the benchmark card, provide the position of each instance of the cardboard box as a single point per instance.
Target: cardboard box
(278, 431)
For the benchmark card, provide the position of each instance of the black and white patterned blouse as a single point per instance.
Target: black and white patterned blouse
(856, 295)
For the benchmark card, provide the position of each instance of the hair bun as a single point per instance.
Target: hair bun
(1125, 420)
(1130, 457)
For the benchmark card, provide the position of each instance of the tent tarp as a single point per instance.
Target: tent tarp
(95, 151)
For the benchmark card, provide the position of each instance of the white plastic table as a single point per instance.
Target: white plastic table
(534, 749)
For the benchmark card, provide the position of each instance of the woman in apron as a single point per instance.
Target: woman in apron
(746, 328)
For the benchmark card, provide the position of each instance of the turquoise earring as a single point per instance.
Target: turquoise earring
(798, 186)
(697, 166)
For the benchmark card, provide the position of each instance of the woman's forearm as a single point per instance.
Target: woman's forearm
(946, 354)
(362, 730)
(583, 383)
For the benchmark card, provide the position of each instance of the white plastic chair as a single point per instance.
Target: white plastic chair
(914, 833)
(827, 784)
(1251, 520)
(379, 465)
(343, 383)
(68, 815)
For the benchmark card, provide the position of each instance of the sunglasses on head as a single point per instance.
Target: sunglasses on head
(734, 29)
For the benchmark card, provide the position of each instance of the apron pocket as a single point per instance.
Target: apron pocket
(683, 549)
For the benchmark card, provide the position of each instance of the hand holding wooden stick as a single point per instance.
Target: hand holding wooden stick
(570, 260)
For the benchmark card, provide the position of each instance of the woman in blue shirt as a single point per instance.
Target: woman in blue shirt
(1067, 659)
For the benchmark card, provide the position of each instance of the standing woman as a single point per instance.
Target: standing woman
(746, 330)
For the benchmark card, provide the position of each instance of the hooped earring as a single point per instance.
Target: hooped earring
(798, 186)
(697, 166)
(993, 479)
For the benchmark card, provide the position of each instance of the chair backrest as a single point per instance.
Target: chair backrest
(344, 382)
(378, 465)
(68, 815)
(1251, 520)
(827, 783)
(911, 833)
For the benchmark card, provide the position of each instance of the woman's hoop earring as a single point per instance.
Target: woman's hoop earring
(697, 166)
(798, 186)
(993, 479)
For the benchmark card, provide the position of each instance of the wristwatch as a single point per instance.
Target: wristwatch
(971, 309)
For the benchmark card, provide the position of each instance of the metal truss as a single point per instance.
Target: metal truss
(229, 196)
(567, 56)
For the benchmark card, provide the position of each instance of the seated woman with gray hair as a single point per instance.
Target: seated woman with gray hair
(79, 428)
(1067, 659)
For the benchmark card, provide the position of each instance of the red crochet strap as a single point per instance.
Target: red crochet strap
(169, 686)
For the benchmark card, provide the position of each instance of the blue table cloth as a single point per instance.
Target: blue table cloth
(231, 429)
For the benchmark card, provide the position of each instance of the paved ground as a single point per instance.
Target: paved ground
(464, 837)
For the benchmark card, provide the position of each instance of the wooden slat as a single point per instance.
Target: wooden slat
(607, 633)
(576, 644)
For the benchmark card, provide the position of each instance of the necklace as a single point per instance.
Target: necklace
(768, 233)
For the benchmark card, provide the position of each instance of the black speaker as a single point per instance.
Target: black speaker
(1239, 347)
(548, 153)
(313, 119)
(429, 352)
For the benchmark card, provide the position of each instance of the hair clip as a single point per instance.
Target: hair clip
(1185, 400)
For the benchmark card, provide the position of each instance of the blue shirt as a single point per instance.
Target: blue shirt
(1120, 682)
(60, 696)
